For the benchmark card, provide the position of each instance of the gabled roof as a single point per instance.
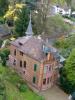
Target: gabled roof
(31, 46)
(35, 47)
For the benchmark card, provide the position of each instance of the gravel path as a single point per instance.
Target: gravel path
(55, 94)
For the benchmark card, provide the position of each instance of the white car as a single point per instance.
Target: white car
(70, 97)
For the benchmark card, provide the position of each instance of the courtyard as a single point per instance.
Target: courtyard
(55, 93)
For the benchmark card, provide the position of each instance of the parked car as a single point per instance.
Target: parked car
(72, 96)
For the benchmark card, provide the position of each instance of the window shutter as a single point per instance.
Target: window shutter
(35, 67)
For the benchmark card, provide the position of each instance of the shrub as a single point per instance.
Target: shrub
(2, 88)
(0, 42)
(2, 21)
(4, 55)
(22, 87)
(13, 77)
(42, 98)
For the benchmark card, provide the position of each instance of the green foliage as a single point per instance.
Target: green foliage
(12, 13)
(13, 77)
(11, 90)
(65, 45)
(2, 90)
(54, 25)
(22, 87)
(2, 21)
(1, 42)
(3, 7)
(67, 78)
(22, 22)
(60, 2)
(42, 98)
(4, 55)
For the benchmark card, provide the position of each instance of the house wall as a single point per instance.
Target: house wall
(41, 73)
(50, 72)
(29, 70)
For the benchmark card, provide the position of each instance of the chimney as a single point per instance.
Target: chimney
(49, 56)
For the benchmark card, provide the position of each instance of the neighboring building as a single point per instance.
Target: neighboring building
(4, 32)
(35, 61)
(58, 10)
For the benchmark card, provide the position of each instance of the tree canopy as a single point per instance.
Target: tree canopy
(22, 22)
(67, 78)
(3, 7)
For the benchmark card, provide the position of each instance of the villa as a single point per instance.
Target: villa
(35, 60)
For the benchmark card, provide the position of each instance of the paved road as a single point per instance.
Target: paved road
(55, 94)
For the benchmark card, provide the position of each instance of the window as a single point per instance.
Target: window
(14, 63)
(35, 67)
(23, 72)
(24, 64)
(46, 54)
(15, 52)
(47, 80)
(44, 81)
(34, 79)
(20, 63)
(50, 79)
(20, 44)
(21, 53)
(45, 69)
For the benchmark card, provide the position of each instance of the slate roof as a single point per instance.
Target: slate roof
(4, 31)
(29, 31)
(30, 46)
(35, 47)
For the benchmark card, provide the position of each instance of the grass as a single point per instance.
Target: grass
(11, 79)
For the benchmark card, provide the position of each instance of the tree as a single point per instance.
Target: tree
(3, 7)
(60, 2)
(22, 22)
(65, 45)
(54, 26)
(4, 55)
(42, 16)
(67, 78)
(11, 14)
(71, 5)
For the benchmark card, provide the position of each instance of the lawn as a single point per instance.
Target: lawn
(11, 79)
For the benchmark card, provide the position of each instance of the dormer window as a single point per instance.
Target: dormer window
(21, 53)
(20, 44)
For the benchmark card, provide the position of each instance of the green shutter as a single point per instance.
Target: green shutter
(35, 67)
(34, 79)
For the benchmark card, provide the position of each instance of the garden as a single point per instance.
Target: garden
(12, 87)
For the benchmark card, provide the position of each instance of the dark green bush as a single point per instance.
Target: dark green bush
(4, 56)
(1, 42)
(42, 98)
(2, 20)
(22, 87)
